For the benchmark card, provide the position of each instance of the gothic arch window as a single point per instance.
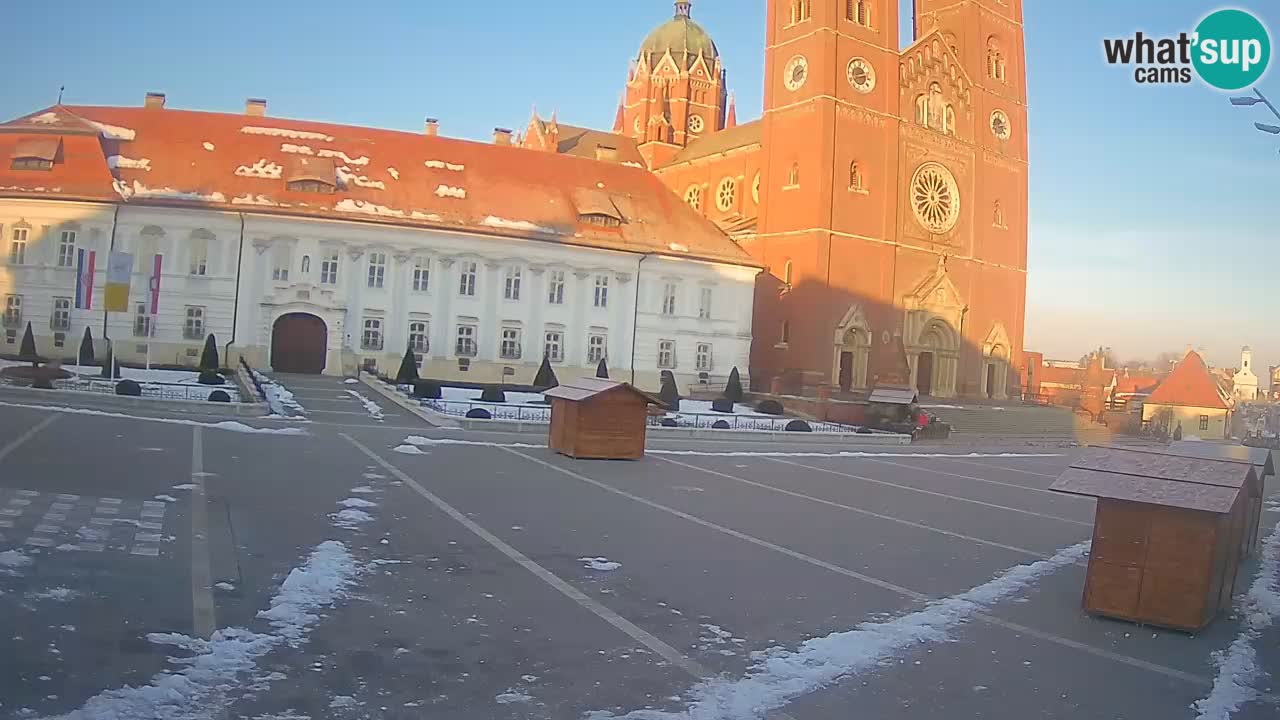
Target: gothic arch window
(856, 182)
(995, 59)
(922, 110)
(948, 120)
(793, 176)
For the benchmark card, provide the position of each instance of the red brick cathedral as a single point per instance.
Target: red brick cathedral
(884, 191)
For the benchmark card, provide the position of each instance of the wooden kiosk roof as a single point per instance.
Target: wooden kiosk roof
(1157, 479)
(585, 388)
(1263, 459)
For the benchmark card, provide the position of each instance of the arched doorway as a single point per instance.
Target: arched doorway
(299, 342)
(936, 359)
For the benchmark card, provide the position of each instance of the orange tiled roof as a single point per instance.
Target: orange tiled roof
(1136, 384)
(238, 162)
(1189, 384)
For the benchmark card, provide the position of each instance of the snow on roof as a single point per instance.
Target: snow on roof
(111, 132)
(677, 247)
(251, 199)
(454, 192)
(493, 221)
(47, 118)
(282, 132)
(167, 193)
(323, 152)
(39, 189)
(208, 146)
(442, 165)
(394, 173)
(429, 217)
(120, 161)
(264, 168)
(366, 208)
(349, 178)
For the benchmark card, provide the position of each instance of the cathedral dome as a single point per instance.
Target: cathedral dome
(682, 36)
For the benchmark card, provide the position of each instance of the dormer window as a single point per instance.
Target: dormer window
(596, 207)
(35, 154)
(310, 174)
(600, 219)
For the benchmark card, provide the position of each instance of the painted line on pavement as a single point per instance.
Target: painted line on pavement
(830, 503)
(30, 433)
(900, 590)
(1015, 486)
(667, 652)
(203, 618)
(1002, 467)
(935, 494)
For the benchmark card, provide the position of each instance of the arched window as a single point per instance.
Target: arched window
(861, 13)
(799, 11)
(948, 120)
(922, 110)
(788, 273)
(997, 215)
(793, 178)
(855, 176)
(995, 59)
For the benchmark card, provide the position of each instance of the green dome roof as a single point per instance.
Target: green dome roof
(683, 37)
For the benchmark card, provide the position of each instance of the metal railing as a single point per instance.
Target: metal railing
(150, 388)
(745, 422)
(497, 411)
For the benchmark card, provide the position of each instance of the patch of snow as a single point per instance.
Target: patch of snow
(207, 145)
(512, 696)
(224, 586)
(408, 450)
(113, 132)
(58, 594)
(281, 132)
(677, 247)
(351, 381)
(1238, 664)
(351, 518)
(167, 498)
(279, 398)
(603, 564)
(128, 163)
(453, 192)
(370, 406)
(342, 701)
(632, 163)
(363, 490)
(357, 503)
(229, 425)
(366, 208)
(430, 217)
(251, 199)
(322, 580)
(946, 407)
(264, 168)
(167, 193)
(442, 165)
(493, 221)
(780, 674)
(394, 173)
(358, 162)
(122, 188)
(348, 178)
(11, 560)
(184, 486)
(48, 118)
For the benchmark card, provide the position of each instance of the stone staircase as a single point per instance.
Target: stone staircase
(1018, 421)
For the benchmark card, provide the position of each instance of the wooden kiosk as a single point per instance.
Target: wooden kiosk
(598, 419)
(1166, 536)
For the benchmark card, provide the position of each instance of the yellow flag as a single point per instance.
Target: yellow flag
(119, 271)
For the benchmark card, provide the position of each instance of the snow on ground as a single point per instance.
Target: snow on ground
(419, 441)
(1238, 665)
(351, 381)
(11, 560)
(166, 498)
(408, 449)
(363, 490)
(229, 425)
(512, 696)
(322, 579)
(279, 398)
(370, 406)
(351, 519)
(780, 674)
(357, 503)
(58, 594)
(603, 564)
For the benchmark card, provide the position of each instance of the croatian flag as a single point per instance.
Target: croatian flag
(84, 278)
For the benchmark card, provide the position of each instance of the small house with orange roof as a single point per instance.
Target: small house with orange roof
(1192, 398)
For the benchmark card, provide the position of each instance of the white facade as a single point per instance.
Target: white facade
(236, 274)
(1245, 383)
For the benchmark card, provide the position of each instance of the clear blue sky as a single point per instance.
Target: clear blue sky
(1151, 207)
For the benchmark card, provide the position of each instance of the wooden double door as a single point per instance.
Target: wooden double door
(299, 343)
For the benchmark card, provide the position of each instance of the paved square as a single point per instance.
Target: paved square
(69, 522)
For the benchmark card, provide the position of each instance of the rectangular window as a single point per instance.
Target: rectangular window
(669, 299)
(553, 346)
(466, 346)
(467, 279)
(555, 287)
(193, 328)
(199, 265)
(371, 339)
(377, 269)
(280, 273)
(419, 337)
(602, 291)
(421, 274)
(328, 269)
(141, 321)
(595, 348)
(511, 290)
(704, 304)
(67, 249)
(703, 357)
(12, 310)
(1204, 422)
(18, 247)
(510, 349)
(61, 318)
(667, 354)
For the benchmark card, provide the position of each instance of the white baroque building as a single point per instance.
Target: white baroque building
(309, 247)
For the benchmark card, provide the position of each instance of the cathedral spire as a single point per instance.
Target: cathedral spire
(732, 120)
(618, 120)
(683, 8)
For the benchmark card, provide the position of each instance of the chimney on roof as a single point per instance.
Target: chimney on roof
(154, 101)
(606, 153)
(432, 127)
(256, 107)
(501, 136)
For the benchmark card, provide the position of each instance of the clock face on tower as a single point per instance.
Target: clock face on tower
(861, 76)
(795, 73)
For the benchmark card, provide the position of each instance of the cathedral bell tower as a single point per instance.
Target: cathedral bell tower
(675, 89)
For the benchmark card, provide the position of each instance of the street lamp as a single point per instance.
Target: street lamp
(1258, 97)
